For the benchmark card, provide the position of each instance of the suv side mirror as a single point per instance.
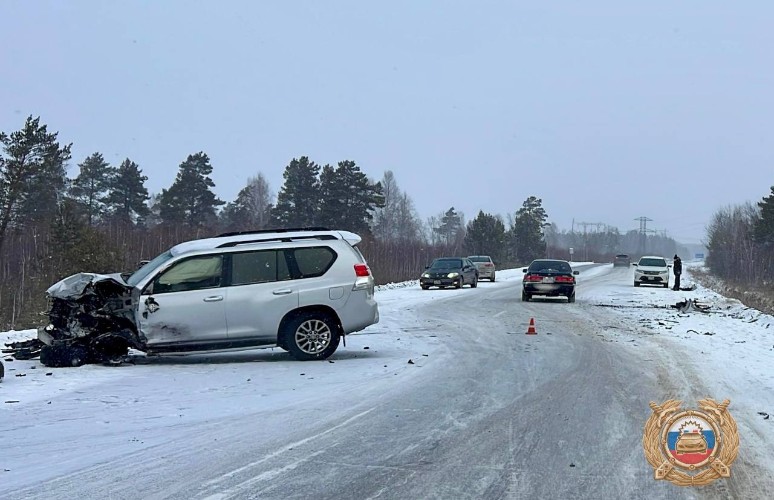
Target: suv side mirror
(524, 270)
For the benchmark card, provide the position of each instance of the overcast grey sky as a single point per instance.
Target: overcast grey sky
(606, 110)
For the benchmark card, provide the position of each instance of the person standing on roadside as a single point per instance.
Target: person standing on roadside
(677, 269)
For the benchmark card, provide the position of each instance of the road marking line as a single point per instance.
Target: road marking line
(499, 314)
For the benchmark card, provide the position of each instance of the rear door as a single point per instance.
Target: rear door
(261, 292)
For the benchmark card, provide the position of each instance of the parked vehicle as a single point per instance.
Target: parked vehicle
(449, 271)
(652, 270)
(549, 277)
(622, 260)
(300, 290)
(485, 265)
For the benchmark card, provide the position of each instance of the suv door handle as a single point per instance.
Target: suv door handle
(282, 292)
(214, 298)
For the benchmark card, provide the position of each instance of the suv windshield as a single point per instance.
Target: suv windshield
(148, 268)
(653, 262)
(446, 264)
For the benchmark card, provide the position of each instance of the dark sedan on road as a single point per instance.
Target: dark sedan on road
(552, 278)
(449, 271)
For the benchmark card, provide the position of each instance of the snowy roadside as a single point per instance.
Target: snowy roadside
(727, 352)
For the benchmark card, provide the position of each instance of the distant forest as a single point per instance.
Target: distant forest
(104, 220)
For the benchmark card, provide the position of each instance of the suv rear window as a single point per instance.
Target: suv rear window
(550, 265)
(315, 261)
(263, 266)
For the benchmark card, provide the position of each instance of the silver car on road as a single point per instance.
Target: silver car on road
(485, 265)
(298, 290)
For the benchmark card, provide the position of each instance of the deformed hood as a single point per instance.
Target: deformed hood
(76, 285)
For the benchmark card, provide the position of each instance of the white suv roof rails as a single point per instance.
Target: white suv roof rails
(263, 236)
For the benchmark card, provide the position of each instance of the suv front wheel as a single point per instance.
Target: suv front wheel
(311, 335)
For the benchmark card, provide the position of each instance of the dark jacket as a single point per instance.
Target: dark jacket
(678, 266)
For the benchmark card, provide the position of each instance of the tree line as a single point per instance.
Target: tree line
(741, 243)
(104, 219)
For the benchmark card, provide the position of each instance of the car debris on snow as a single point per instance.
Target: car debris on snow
(689, 305)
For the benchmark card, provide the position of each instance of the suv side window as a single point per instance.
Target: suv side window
(313, 262)
(263, 266)
(195, 273)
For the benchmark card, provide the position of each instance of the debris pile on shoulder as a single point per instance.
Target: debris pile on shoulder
(26, 349)
(691, 305)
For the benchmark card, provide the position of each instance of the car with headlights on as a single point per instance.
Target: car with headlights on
(549, 277)
(449, 271)
(485, 265)
(622, 260)
(652, 270)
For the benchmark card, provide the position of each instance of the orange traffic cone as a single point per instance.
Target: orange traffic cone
(531, 330)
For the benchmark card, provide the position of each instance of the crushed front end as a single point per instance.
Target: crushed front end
(91, 320)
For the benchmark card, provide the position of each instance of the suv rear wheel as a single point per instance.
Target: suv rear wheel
(311, 335)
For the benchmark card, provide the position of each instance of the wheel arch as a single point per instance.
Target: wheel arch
(318, 308)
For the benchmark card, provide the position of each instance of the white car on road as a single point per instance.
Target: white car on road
(651, 270)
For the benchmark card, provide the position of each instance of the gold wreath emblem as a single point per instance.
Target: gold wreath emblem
(717, 465)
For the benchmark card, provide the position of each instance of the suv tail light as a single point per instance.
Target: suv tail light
(362, 271)
(364, 280)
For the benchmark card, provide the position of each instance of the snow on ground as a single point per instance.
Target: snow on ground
(142, 403)
(725, 353)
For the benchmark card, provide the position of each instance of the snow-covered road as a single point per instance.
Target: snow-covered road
(445, 398)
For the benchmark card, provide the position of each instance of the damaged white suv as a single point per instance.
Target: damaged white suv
(301, 290)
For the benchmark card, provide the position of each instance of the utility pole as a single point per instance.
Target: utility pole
(643, 232)
(585, 226)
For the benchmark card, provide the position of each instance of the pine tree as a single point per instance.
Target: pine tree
(190, 200)
(76, 246)
(32, 175)
(299, 198)
(347, 198)
(527, 230)
(764, 224)
(450, 226)
(90, 187)
(485, 235)
(127, 199)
